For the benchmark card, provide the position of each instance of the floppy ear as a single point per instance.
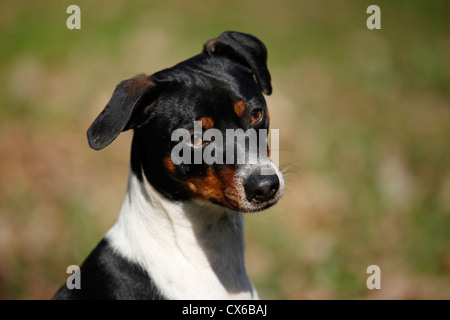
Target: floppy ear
(129, 107)
(246, 49)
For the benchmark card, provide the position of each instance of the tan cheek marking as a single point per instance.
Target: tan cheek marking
(227, 176)
(233, 195)
(192, 186)
(208, 187)
(207, 122)
(219, 187)
(170, 166)
(268, 114)
(239, 108)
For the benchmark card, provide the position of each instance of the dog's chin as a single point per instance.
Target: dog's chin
(239, 204)
(254, 206)
(257, 207)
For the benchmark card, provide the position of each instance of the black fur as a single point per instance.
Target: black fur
(107, 275)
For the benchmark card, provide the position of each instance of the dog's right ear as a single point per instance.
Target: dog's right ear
(129, 107)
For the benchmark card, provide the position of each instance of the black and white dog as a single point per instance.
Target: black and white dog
(180, 231)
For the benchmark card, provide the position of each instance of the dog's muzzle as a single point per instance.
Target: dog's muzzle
(261, 188)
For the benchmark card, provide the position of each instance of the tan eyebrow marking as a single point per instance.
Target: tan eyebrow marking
(207, 122)
(239, 108)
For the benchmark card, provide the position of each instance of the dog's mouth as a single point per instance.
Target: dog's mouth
(251, 207)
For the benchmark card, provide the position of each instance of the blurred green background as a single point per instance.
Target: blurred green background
(364, 119)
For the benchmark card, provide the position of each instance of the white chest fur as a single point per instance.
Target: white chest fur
(192, 250)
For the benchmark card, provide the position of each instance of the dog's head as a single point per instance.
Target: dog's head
(198, 125)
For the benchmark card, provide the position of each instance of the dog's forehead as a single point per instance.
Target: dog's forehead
(202, 87)
(215, 76)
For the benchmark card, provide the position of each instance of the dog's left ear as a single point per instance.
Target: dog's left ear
(129, 107)
(244, 48)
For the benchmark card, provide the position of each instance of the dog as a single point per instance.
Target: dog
(180, 232)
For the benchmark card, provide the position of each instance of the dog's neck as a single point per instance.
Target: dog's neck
(191, 249)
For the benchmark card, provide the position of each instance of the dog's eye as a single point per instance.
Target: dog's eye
(196, 140)
(256, 115)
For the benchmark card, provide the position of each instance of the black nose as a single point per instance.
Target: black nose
(261, 188)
